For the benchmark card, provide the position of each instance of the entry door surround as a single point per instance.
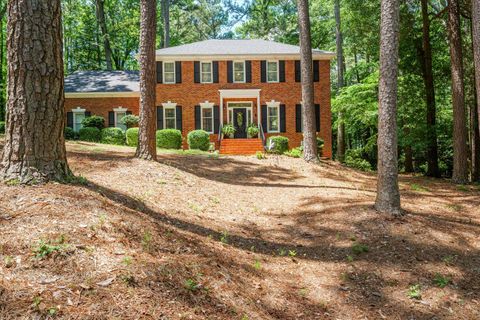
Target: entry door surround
(232, 94)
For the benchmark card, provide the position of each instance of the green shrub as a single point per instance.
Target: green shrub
(294, 153)
(280, 144)
(169, 139)
(198, 139)
(70, 134)
(253, 130)
(132, 137)
(113, 136)
(320, 144)
(130, 121)
(94, 122)
(89, 134)
(2, 127)
(353, 159)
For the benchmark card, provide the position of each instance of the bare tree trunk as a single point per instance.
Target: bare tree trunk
(427, 70)
(388, 194)
(35, 148)
(2, 79)
(147, 148)
(308, 111)
(340, 82)
(100, 12)
(460, 150)
(475, 142)
(476, 57)
(166, 22)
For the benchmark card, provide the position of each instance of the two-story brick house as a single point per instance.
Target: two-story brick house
(208, 84)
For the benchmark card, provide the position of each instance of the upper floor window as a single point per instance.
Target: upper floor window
(272, 71)
(239, 71)
(206, 72)
(169, 72)
(273, 117)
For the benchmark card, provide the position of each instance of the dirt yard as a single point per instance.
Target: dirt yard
(198, 237)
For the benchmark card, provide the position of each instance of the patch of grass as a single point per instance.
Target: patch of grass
(292, 253)
(350, 258)
(257, 265)
(260, 155)
(45, 248)
(192, 285)
(441, 281)
(282, 252)
(359, 248)
(36, 303)
(448, 260)
(127, 261)
(415, 292)
(12, 182)
(463, 188)
(224, 237)
(418, 187)
(52, 311)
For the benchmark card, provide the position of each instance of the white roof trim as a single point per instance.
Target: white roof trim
(225, 57)
(240, 93)
(120, 109)
(72, 95)
(169, 104)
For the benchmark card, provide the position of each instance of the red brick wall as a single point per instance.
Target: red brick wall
(188, 94)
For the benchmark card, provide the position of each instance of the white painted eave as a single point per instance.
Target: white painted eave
(102, 94)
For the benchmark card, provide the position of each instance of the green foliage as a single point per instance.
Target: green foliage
(415, 292)
(192, 285)
(89, 134)
(169, 139)
(260, 155)
(253, 130)
(294, 153)
(113, 136)
(354, 159)
(2, 127)
(280, 144)
(198, 139)
(69, 134)
(228, 130)
(224, 237)
(46, 248)
(130, 120)
(441, 281)
(94, 122)
(132, 137)
(359, 248)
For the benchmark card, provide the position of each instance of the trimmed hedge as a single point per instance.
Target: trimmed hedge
(89, 134)
(130, 121)
(280, 144)
(169, 139)
(70, 134)
(113, 136)
(198, 139)
(2, 127)
(94, 122)
(132, 137)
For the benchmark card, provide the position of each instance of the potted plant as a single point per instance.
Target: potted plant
(253, 131)
(228, 131)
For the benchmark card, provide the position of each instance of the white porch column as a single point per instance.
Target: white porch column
(259, 113)
(221, 108)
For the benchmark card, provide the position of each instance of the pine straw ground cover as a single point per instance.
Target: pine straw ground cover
(198, 237)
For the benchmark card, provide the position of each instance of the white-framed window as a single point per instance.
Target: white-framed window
(119, 114)
(168, 72)
(78, 116)
(273, 116)
(206, 72)
(169, 115)
(272, 71)
(239, 71)
(206, 117)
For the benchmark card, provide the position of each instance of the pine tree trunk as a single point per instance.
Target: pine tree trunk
(476, 56)
(148, 27)
(100, 11)
(166, 22)
(427, 70)
(388, 194)
(308, 111)
(340, 82)
(35, 147)
(475, 143)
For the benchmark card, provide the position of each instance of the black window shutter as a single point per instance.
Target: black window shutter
(89, 114)
(196, 71)
(317, 116)
(216, 119)
(298, 117)
(215, 71)
(248, 71)
(283, 119)
(111, 119)
(298, 72)
(229, 71)
(129, 112)
(264, 118)
(316, 71)
(198, 118)
(159, 72)
(281, 71)
(179, 117)
(70, 119)
(159, 118)
(178, 71)
(263, 71)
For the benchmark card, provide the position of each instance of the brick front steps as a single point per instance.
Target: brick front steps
(241, 146)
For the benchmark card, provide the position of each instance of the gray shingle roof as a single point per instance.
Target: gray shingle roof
(237, 48)
(102, 81)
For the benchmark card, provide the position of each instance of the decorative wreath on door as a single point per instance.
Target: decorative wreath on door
(240, 119)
